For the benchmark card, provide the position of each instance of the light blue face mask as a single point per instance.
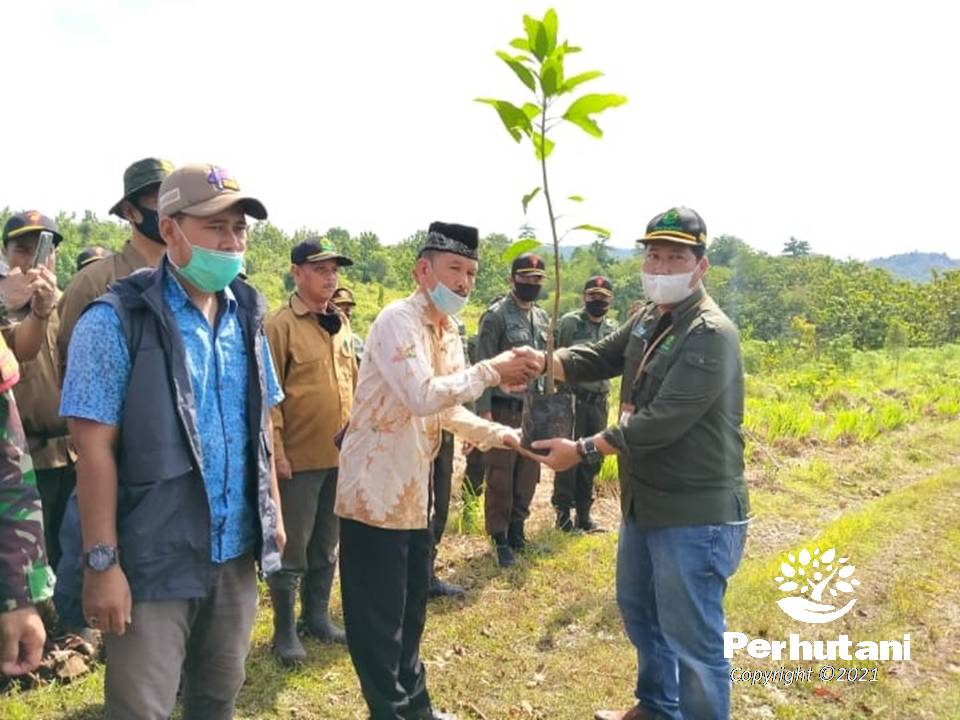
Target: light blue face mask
(446, 300)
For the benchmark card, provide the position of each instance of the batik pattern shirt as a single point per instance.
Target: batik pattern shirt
(412, 384)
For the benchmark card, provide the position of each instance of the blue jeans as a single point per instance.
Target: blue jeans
(670, 586)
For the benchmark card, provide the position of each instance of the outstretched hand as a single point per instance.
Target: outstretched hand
(562, 453)
(513, 439)
(517, 368)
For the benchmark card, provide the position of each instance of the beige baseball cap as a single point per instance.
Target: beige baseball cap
(204, 190)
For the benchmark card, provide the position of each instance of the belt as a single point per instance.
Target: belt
(588, 396)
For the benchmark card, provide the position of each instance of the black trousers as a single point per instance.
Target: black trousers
(574, 487)
(442, 481)
(384, 582)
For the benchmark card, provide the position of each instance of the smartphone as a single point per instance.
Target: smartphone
(44, 248)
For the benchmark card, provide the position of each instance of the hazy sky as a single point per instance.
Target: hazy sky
(836, 122)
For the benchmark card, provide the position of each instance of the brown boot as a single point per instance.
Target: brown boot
(634, 713)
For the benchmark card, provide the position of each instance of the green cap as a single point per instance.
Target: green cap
(317, 249)
(677, 225)
(142, 174)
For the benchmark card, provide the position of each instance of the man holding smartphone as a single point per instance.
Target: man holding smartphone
(30, 240)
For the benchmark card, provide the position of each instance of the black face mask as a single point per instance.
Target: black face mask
(330, 321)
(597, 308)
(149, 226)
(526, 292)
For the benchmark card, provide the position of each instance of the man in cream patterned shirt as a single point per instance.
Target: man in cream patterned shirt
(412, 384)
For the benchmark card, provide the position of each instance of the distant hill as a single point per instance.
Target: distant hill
(620, 253)
(916, 266)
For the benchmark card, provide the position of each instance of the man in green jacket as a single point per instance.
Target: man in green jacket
(683, 496)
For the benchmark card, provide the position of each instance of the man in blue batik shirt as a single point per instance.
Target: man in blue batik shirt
(168, 389)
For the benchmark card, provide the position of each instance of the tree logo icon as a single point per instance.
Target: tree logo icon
(805, 577)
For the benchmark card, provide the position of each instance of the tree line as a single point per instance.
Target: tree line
(797, 296)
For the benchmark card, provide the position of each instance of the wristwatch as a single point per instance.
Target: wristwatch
(588, 451)
(101, 557)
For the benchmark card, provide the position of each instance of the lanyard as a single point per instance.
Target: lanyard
(649, 352)
(660, 338)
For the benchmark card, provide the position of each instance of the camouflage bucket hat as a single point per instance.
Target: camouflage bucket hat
(141, 175)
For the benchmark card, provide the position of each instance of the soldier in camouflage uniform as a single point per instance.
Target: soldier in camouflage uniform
(574, 487)
(25, 578)
(511, 478)
(473, 479)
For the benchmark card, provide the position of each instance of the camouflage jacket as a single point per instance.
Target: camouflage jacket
(506, 325)
(577, 328)
(25, 577)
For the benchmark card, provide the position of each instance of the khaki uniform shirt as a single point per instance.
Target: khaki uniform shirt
(318, 374)
(89, 284)
(38, 396)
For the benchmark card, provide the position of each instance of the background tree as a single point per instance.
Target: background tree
(796, 248)
(898, 338)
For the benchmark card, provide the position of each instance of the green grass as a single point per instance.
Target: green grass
(860, 459)
(814, 402)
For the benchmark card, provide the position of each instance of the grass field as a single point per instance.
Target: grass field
(866, 460)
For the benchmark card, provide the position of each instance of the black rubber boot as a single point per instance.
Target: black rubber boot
(439, 588)
(315, 616)
(516, 537)
(564, 521)
(286, 644)
(585, 522)
(505, 557)
(519, 543)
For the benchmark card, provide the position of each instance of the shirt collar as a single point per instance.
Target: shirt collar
(300, 308)
(681, 309)
(421, 302)
(176, 296)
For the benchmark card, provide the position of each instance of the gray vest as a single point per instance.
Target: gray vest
(163, 517)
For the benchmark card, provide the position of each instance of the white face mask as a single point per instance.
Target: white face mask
(668, 289)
